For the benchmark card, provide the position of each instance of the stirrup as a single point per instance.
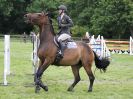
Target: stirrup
(61, 54)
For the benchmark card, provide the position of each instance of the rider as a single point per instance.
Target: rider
(64, 24)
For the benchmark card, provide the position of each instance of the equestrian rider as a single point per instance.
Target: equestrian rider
(64, 25)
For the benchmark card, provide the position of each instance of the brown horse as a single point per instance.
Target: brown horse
(83, 55)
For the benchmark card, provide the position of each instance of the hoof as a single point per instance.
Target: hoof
(45, 88)
(70, 89)
(89, 90)
(37, 89)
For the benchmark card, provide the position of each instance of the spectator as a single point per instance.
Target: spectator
(24, 37)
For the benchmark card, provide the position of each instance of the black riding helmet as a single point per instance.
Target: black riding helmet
(62, 7)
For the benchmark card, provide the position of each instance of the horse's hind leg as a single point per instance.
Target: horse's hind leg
(75, 70)
(42, 67)
(91, 76)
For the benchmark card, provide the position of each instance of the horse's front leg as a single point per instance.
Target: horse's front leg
(38, 83)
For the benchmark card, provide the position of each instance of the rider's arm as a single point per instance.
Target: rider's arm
(69, 22)
(59, 22)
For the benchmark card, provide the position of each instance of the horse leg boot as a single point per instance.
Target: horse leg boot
(38, 81)
(62, 47)
(91, 78)
(37, 86)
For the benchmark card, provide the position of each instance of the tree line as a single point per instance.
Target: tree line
(110, 18)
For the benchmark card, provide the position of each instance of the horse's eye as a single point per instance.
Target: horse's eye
(25, 16)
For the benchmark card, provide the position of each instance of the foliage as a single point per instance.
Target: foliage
(11, 16)
(78, 31)
(110, 18)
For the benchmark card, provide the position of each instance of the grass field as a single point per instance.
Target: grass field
(116, 83)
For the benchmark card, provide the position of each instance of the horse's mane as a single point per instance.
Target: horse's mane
(51, 26)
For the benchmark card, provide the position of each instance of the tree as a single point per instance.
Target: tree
(11, 16)
(110, 18)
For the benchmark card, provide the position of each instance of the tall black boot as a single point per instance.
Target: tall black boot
(61, 48)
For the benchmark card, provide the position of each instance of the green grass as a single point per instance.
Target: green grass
(116, 83)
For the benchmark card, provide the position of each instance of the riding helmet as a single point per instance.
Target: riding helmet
(62, 7)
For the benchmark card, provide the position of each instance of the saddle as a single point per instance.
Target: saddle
(68, 44)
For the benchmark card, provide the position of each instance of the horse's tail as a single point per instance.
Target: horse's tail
(101, 63)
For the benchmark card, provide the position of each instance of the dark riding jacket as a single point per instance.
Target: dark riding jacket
(64, 24)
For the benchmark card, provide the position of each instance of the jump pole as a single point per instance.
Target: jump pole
(131, 45)
(102, 47)
(6, 58)
(35, 57)
(104, 50)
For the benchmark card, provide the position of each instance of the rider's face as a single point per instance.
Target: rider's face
(60, 11)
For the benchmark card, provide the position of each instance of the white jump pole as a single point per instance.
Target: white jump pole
(131, 45)
(104, 52)
(6, 58)
(102, 47)
(35, 57)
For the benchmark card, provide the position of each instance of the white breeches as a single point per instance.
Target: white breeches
(63, 37)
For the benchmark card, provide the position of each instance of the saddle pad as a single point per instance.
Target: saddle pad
(71, 45)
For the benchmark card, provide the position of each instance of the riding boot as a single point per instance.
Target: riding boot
(61, 48)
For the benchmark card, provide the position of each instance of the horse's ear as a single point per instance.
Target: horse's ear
(43, 13)
(47, 14)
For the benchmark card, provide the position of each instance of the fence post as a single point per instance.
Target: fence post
(131, 45)
(6, 58)
(35, 57)
(102, 47)
(104, 50)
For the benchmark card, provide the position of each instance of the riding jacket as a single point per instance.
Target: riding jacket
(64, 24)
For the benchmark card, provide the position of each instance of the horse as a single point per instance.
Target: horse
(82, 56)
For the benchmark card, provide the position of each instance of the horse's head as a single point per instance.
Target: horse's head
(36, 18)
